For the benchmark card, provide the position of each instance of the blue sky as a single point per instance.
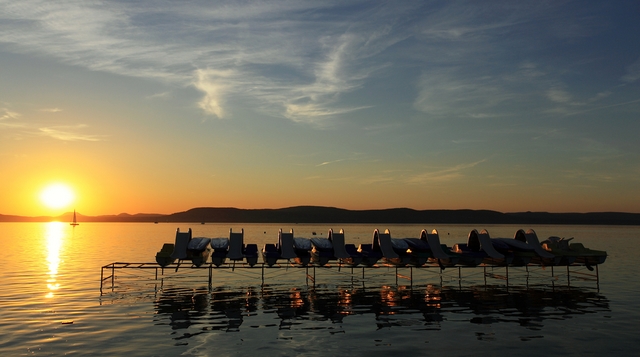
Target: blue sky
(164, 106)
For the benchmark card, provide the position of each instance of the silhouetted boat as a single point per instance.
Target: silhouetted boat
(394, 251)
(369, 256)
(574, 252)
(345, 253)
(220, 248)
(441, 254)
(543, 257)
(75, 221)
(302, 247)
(481, 246)
(163, 257)
(198, 250)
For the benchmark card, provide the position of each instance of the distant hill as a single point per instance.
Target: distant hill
(315, 214)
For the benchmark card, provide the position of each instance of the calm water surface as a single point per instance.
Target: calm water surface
(52, 305)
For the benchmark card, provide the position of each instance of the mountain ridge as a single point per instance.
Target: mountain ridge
(322, 214)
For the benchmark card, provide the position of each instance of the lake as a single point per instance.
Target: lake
(52, 305)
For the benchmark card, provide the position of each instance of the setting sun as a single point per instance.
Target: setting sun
(57, 196)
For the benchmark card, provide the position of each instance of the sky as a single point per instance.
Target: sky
(163, 106)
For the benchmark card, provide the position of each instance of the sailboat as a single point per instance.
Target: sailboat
(75, 221)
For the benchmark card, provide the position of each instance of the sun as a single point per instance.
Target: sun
(57, 196)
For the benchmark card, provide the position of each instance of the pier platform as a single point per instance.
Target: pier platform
(261, 274)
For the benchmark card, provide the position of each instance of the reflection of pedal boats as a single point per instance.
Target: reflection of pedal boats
(221, 309)
(573, 252)
(226, 308)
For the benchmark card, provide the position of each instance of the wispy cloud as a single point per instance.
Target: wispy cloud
(570, 112)
(67, 133)
(51, 110)
(330, 162)
(214, 84)
(377, 179)
(558, 95)
(7, 114)
(443, 174)
(161, 95)
(333, 75)
(633, 72)
(410, 176)
(235, 49)
(300, 60)
(456, 94)
(9, 120)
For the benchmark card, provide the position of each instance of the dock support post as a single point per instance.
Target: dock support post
(352, 276)
(113, 274)
(597, 278)
(411, 277)
(396, 275)
(568, 277)
(210, 276)
(485, 275)
(101, 279)
(506, 269)
(263, 274)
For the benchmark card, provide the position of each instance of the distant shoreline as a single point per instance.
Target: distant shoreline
(317, 214)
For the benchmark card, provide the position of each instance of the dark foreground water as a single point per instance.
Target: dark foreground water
(52, 304)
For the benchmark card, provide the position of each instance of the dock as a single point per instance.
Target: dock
(312, 274)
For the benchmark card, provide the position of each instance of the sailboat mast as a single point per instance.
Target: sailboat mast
(75, 222)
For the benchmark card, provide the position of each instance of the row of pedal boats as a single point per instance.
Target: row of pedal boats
(523, 249)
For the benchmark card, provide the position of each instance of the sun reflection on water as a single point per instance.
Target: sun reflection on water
(54, 234)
